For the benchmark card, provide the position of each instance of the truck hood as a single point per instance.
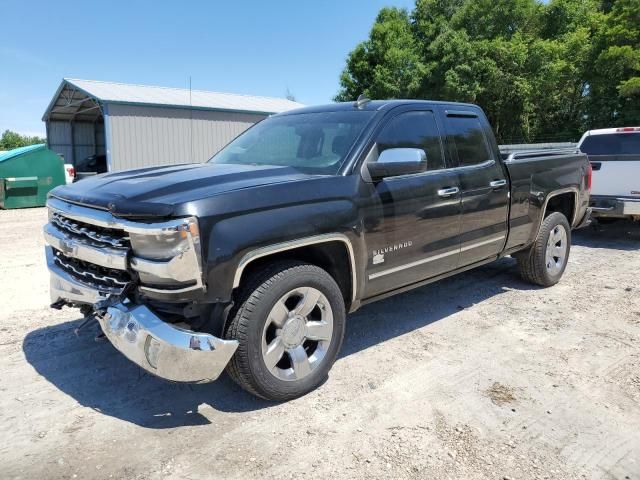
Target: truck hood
(155, 192)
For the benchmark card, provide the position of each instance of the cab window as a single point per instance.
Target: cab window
(469, 140)
(414, 130)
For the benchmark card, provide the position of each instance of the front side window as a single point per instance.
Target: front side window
(469, 140)
(414, 130)
(311, 142)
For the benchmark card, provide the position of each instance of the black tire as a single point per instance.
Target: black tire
(532, 262)
(247, 323)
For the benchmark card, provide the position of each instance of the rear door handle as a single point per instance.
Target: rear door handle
(498, 183)
(448, 192)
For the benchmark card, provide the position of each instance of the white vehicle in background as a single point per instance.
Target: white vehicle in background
(69, 173)
(614, 154)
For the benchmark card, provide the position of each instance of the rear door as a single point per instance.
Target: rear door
(484, 185)
(615, 159)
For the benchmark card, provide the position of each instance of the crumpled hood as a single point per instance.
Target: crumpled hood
(157, 191)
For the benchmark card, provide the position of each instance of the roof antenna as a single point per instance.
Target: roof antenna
(361, 101)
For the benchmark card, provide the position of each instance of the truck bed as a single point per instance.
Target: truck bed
(534, 175)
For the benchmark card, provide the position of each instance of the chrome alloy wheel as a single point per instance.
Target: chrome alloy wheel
(297, 333)
(556, 250)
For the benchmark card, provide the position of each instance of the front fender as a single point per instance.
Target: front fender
(231, 239)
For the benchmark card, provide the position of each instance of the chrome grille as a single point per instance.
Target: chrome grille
(94, 233)
(102, 278)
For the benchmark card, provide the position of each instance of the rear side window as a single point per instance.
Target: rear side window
(414, 130)
(469, 140)
(612, 144)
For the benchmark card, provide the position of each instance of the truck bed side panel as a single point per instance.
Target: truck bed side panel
(533, 181)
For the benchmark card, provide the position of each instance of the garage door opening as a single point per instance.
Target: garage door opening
(76, 129)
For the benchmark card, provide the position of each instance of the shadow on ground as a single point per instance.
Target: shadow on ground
(99, 377)
(619, 235)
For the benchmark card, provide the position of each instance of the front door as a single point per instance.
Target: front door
(412, 221)
(484, 188)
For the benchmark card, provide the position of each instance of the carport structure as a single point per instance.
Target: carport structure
(140, 125)
(75, 123)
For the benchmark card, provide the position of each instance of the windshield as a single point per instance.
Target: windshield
(612, 144)
(311, 142)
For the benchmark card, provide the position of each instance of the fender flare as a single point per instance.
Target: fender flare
(293, 244)
(555, 193)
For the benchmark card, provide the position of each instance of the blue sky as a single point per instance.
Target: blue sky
(252, 47)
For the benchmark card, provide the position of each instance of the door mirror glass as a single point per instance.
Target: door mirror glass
(398, 161)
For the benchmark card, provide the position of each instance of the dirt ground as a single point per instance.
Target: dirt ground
(480, 376)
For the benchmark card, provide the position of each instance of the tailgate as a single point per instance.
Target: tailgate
(615, 175)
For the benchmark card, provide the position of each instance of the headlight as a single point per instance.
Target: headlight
(167, 243)
(168, 255)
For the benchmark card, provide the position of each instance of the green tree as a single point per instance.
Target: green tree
(387, 64)
(490, 19)
(614, 76)
(541, 71)
(10, 140)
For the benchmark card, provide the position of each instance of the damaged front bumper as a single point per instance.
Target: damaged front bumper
(160, 348)
(165, 350)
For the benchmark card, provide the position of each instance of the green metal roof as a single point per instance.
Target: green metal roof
(20, 151)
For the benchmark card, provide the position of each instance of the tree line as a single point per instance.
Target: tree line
(10, 140)
(541, 71)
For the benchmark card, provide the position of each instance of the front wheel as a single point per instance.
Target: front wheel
(289, 325)
(544, 263)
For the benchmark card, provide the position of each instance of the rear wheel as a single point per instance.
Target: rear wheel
(544, 263)
(289, 325)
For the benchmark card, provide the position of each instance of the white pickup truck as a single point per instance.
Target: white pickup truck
(614, 154)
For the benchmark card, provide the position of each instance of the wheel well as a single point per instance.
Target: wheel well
(332, 256)
(563, 203)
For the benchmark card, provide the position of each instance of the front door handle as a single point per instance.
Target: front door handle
(498, 183)
(448, 192)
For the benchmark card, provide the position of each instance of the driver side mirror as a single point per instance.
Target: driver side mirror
(398, 161)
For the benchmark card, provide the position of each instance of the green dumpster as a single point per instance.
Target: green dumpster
(27, 174)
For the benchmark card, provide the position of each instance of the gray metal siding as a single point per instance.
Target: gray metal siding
(59, 139)
(88, 138)
(83, 139)
(142, 136)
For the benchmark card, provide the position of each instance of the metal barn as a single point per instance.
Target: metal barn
(139, 125)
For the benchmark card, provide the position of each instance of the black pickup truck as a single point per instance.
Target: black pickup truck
(250, 262)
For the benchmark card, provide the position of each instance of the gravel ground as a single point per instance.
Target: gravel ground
(480, 376)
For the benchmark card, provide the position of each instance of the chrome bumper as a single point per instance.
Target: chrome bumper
(615, 207)
(163, 349)
(160, 348)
